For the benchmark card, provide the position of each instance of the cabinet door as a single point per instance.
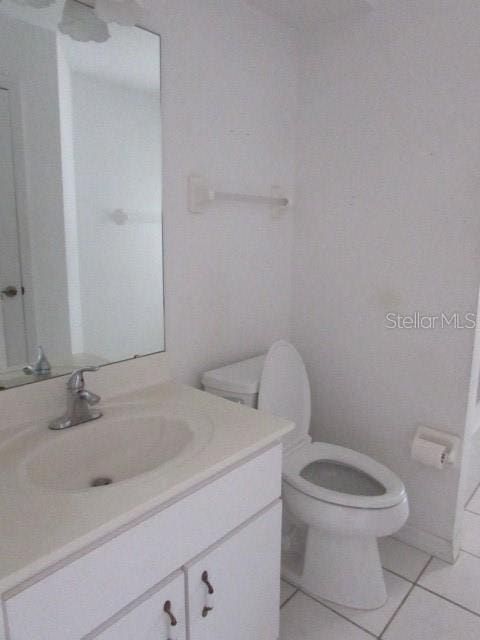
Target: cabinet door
(148, 619)
(244, 571)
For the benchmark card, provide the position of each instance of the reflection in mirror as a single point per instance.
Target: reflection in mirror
(80, 195)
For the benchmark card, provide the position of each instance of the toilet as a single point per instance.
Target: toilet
(337, 500)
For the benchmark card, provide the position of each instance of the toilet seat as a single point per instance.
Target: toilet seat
(285, 391)
(298, 460)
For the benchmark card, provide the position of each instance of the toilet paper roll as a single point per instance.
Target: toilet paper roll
(429, 453)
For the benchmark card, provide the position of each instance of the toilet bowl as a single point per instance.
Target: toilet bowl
(345, 499)
(338, 500)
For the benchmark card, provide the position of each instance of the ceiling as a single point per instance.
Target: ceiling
(131, 58)
(116, 60)
(304, 14)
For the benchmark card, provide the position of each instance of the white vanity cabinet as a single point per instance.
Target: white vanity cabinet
(229, 527)
(243, 571)
(147, 619)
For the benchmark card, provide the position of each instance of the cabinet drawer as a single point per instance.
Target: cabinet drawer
(80, 596)
(147, 620)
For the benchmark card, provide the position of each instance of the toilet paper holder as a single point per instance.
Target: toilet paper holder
(447, 440)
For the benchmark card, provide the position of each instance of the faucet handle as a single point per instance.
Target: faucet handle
(76, 381)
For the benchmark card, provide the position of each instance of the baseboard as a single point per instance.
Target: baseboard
(446, 550)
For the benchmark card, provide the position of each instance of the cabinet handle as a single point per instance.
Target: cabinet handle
(9, 292)
(210, 591)
(167, 607)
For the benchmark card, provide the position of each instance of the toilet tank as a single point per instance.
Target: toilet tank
(239, 382)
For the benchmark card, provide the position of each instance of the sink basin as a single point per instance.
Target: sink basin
(126, 442)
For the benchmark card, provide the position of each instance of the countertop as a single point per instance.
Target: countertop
(40, 527)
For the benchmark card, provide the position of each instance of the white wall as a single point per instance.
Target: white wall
(387, 220)
(228, 103)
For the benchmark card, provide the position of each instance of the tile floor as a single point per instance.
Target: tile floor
(428, 598)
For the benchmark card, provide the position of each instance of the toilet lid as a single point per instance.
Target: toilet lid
(285, 390)
(338, 475)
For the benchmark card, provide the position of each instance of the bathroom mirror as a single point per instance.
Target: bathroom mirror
(81, 256)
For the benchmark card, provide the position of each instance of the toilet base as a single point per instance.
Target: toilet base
(343, 569)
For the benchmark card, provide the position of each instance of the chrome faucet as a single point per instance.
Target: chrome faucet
(79, 402)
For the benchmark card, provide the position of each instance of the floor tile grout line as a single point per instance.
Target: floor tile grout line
(469, 553)
(416, 583)
(288, 599)
(471, 496)
(438, 595)
(398, 575)
(290, 584)
(413, 585)
(340, 615)
(422, 572)
(414, 580)
(392, 617)
(461, 606)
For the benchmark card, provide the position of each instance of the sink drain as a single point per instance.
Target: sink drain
(101, 482)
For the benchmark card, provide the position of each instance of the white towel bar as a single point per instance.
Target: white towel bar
(200, 194)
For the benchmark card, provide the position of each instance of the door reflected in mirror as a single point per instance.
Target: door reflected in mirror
(81, 255)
